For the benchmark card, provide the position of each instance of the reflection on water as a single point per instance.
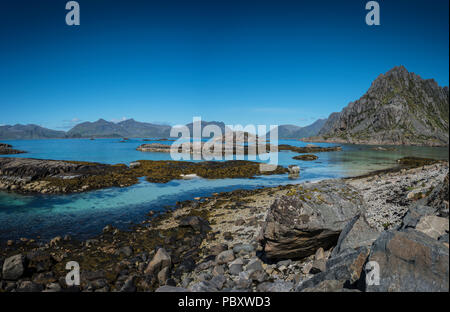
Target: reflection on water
(83, 215)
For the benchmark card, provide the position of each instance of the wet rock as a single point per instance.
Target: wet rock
(13, 267)
(294, 169)
(307, 157)
(410, 261)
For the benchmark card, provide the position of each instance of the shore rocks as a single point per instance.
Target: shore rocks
(6, 149)
(306, 157)
(410, 261)
(355, 234)
(225, 257)
(196, 223)
(13, 267)
(297, 225)
(160, 261)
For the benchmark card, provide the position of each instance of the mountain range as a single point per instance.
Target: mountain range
(296, 132)
(29, 132)
(400, 108)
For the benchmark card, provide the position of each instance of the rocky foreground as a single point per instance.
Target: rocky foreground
(320, 236)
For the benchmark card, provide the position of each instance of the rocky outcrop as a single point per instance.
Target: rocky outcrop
(308, 149)
(399, 108)
(312, 217)
(53, 176)
(306, 157)
(6, 149)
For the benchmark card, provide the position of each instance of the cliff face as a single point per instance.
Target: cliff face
(399, 108)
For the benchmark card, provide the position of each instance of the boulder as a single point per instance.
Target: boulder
(346, 267)
(196, 223)
(225, 257)
(160, 260)
(415, 213)
(297, 225)
(410, 261)
(356, 233)
(13, 267)
(433, 226)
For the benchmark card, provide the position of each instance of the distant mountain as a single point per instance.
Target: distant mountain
(296, 132)
(17, 132)
(128, 128)
(221, 125)
(399, 108)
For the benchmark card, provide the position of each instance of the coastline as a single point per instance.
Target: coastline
(371, 142)
(209, 239)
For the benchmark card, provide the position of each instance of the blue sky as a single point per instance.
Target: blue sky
(254, 61)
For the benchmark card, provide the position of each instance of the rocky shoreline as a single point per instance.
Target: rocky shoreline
(307, 237)
(372, 141)
(6, 149)
(53, 176)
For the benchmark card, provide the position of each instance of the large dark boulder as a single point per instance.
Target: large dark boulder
(299, 224)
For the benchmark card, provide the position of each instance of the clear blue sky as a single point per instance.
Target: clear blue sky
(265, 62)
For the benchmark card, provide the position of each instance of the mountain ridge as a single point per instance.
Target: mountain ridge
(399, 108)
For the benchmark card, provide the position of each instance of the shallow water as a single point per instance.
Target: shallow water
(84, 215)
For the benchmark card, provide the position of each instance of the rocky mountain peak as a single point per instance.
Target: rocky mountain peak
(399, 108)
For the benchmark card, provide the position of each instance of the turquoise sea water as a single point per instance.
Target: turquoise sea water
(84, 215)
